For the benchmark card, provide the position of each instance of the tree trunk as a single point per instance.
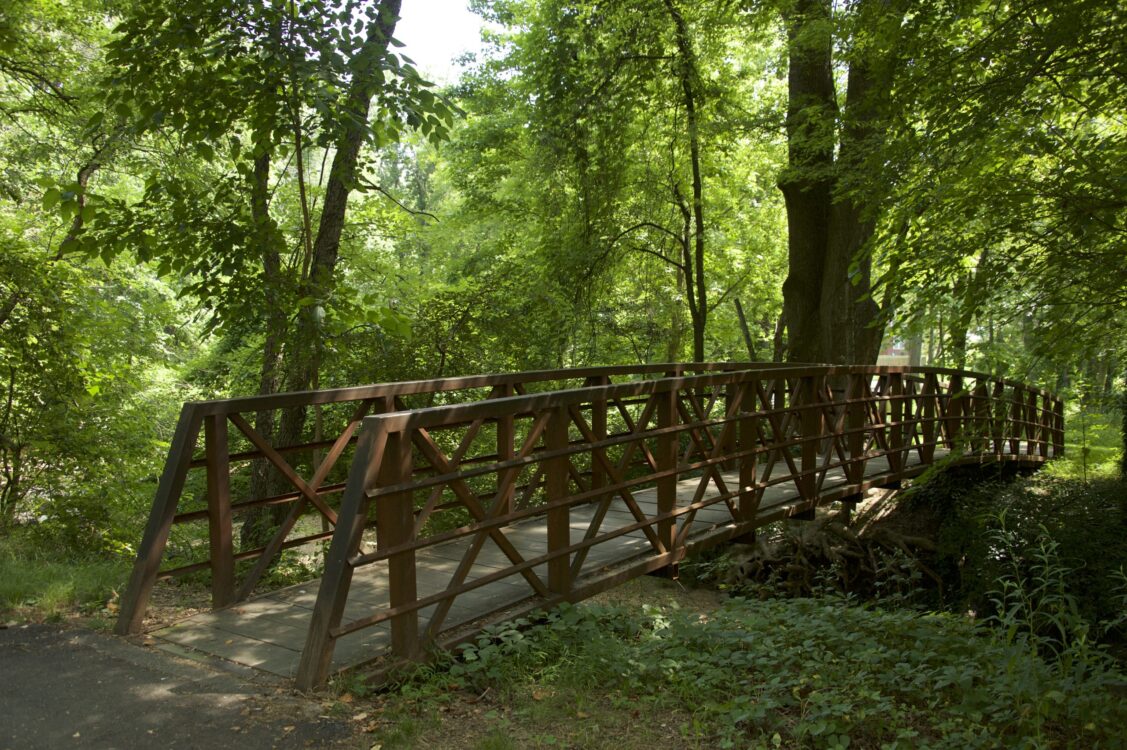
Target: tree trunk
(11, 452)
(1123, 429)
(831, 315)
(264, 479)
(852, 324)
(806, 182)
(749, 342)
(697, 289)
(779, 347)
(304, 353)
(915, 350)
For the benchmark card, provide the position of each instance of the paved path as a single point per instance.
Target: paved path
(63, 688)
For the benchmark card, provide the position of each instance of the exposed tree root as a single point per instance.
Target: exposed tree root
(879, 552)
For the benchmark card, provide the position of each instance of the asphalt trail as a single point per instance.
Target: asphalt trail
(64, 688)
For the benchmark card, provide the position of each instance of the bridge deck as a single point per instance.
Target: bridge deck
(268, 632)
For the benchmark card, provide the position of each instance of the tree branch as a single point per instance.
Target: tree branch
(413, 211)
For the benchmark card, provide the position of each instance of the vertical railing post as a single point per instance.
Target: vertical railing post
(599, 431)
(980, 416)
(135, 600)
(855, 427)
(998, 413)
(1016, 410)
(395, 526)
(930, 394)
(896, 423)
(505, 451)
(1031, 423)
(1046, 419)
(729, 437)
(666, 457)
(222, 558)
(1058, 428)
(811, 421)
(954, 417)
(747, 441)
(559, 518)
(332, 594)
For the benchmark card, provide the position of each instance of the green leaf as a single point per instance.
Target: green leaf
(95, 120)
(51, 199)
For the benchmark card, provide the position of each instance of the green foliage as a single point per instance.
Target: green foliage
(1093, 444)
(572, 160)
(86, 399)
(1007, 207)
(540, 230)
(47, 584)
(802, 672)
(994, 532)
(1032, 604)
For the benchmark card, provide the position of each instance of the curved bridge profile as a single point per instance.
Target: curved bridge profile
(486, 509)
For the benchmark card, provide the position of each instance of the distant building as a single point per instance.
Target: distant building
(893, 354)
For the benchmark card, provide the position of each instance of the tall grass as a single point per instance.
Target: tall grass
(36, 584)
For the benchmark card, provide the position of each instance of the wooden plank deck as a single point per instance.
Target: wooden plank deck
(268, 632)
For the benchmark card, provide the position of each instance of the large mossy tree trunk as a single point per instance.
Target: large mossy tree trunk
(831, 213)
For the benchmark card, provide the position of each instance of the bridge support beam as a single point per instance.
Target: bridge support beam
(559, 518)
(395, 525)
(849, 505)
(747, 444)
(666, 457)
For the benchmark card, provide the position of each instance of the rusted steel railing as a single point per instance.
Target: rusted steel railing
(758, 444)
(206, 486)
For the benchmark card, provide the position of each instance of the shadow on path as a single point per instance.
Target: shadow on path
(63, 687)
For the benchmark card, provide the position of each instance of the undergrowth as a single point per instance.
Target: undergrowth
(991, 530)
(1037, 574)
(782, 673)
(36, 584)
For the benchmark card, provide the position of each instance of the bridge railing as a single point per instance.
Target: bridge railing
(205, 489)
(641, 464)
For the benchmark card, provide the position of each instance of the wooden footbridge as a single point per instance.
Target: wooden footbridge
(449, 504)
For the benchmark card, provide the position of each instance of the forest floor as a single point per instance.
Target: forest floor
(66, 685)
(651, 663)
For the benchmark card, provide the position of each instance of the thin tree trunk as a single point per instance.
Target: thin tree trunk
(779, 349)
(915, 350)
(264, 479)
(753, 356)
(688, 75)
(304, 354)
(10, 454)
(92, 165)
(1123, 430)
